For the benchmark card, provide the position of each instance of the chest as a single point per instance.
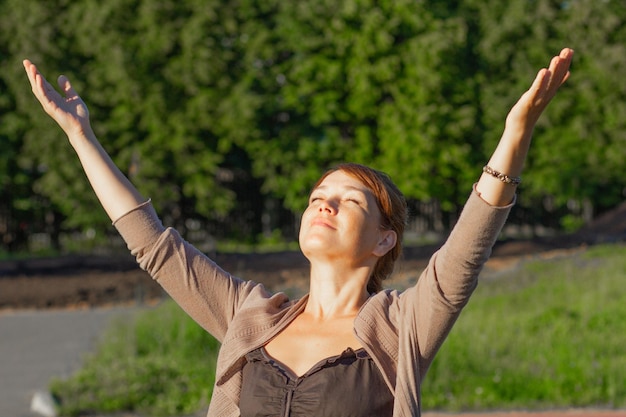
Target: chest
(304, 343)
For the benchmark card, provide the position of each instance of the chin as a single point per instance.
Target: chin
(318, 250)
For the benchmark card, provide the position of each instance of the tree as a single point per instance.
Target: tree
(567, 165)
(230, 110)
(154, 75)
(356, 81)
(587, 132)
(26, 29)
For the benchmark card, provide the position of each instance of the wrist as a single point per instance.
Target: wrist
(81, 137)
(505, 178)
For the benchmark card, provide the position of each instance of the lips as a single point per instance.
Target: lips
(322, 223)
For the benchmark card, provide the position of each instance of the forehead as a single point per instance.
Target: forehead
(343, 180)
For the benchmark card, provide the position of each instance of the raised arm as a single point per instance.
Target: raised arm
(452, 274)
(115, 192)
(510, 154)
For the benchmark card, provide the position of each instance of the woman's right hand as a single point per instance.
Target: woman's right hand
(70, 112)
(116, 193)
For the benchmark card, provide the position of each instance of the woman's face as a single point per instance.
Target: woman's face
(342, 221)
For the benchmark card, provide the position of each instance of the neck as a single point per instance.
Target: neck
(336, 293)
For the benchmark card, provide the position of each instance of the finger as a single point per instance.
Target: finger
(31, 70)
(541, 81)
(559, 73)
(567, 53)
(27, 64)
(560, 60)
(37, 81)
(560, 64)
(47, 96)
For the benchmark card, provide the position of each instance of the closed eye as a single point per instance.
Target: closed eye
(354, 200)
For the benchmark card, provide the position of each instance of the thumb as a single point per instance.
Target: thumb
(66, 86)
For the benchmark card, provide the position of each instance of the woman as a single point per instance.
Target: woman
(347, 348)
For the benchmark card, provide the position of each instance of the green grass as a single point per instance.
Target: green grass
(162, 364)
(550, 334)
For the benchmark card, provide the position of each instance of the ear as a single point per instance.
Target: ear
(386, 242)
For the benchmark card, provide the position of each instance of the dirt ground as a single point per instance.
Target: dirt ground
(88, 281)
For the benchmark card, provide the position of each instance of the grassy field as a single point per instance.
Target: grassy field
(161, 364)
(549, 334)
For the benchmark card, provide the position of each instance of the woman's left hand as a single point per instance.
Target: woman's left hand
(533, 102)
(511, 152)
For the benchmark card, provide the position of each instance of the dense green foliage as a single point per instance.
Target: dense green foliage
(547, 335)
(231, 109)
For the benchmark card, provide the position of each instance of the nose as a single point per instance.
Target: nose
(326, 206)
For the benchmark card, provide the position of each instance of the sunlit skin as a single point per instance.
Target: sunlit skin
(341, 228)
(342, 237)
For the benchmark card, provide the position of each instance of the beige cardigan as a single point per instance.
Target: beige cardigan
(401, 331)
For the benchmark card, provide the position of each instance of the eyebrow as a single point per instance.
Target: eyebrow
(349, 187)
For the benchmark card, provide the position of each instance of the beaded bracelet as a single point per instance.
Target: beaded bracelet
(502, 177)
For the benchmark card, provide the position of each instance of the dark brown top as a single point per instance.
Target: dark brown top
(346, 385)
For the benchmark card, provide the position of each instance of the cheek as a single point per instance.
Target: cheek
(300, 233)
(370, 228)
(303, 222)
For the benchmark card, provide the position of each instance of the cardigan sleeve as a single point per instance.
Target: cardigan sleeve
(431, 307)
(207, 293)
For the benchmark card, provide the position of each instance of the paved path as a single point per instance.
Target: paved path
(36, 346)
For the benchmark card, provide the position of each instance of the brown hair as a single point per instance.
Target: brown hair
(393, 211)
